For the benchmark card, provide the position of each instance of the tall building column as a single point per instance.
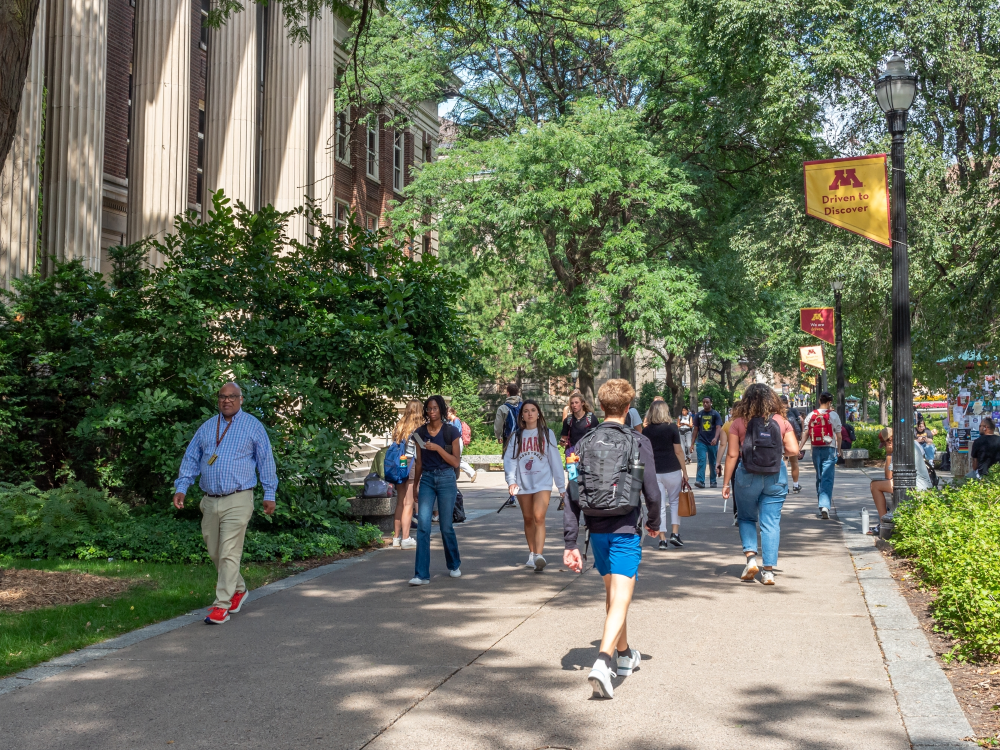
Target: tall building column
(76, 51)
(231, 109)
(161, 101)
(19, 179)
(286, 152)
(322, 84)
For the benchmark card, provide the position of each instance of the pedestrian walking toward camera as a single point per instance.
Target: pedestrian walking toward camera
(227, 453)
(465, 432)
(505, 423)
(793, 461)
(613, 459)
(985, 450)
(531, 463)
(400, 461)
(707, 425)
(438, 450)
(671, 469)
(823, 430)
(758, 438)
(577, 423)
(685, 424)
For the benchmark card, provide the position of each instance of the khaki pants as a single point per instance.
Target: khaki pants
(224, 525)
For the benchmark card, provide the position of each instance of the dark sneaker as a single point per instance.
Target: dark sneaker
(796, 488)
(217, 616)
(662, 544)
(715, 484)
(675, 539)
(511, 502)
(237, 602)
(562, 504)
(700, 485)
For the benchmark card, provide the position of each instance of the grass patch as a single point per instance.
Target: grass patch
(162, 591)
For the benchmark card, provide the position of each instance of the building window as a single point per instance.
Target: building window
(199, 179)
(372, 168)
(428, 153)
(344, 136)
(204, 26)
(427, 244)
(372, 222)
(397, 162)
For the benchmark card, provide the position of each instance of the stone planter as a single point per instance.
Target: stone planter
(855, 458)
(379, 511)
(483, 463)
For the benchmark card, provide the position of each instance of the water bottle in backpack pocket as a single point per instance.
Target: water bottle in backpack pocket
(762, 447)
(397, 464)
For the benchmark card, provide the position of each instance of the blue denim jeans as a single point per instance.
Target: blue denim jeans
(825, 463)
(759, 497)
(437, 485)
(709, 453)
(928, 450)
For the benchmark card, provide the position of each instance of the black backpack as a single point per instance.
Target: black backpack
(762, 448)
(605, 479)
(796, 422)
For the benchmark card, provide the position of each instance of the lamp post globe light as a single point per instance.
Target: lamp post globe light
(837, 285)
(896, 90)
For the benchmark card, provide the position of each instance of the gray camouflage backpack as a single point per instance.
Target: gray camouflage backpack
(606, 482)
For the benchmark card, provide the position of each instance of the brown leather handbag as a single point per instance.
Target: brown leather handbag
(686, 506)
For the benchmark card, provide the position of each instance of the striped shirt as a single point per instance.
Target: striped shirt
(243, 452)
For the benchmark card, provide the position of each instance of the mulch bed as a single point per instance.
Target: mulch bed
(24, 590)
(977, 686)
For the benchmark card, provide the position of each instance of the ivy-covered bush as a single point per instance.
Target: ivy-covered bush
(105, 380)
(74, 520)
(953, 535)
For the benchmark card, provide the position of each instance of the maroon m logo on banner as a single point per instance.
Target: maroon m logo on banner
(845, 178)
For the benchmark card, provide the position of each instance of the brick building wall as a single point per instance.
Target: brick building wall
(119, 69)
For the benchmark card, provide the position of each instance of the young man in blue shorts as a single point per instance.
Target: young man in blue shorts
(616, 541)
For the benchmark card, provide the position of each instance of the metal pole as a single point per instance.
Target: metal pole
(841, 403)
(904, 473)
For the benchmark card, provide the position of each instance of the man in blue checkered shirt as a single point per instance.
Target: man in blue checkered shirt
(228, 452)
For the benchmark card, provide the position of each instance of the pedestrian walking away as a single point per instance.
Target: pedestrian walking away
(400, 461)
(822, 428)
(613, 459)
(505, 423)
(795, 421)
(707, 425)
(531, 463)
(671, 469)
(463, 429)
(633, 419)
(227, 453)
(438, 451)
(685, 423)
(756, 477)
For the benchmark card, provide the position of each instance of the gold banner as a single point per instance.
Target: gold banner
(852, 194)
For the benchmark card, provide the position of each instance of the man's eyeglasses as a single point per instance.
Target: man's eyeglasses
(228, 398)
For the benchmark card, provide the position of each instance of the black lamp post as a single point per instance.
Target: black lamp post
(895, 90)
(838, 285)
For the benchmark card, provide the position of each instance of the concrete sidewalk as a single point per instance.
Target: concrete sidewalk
(498, 658)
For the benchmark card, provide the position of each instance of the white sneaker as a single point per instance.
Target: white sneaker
(600, 680)
(531, 560)
(456, 573)
(629, 663)
(419, 581)
(824, 513)
(408, 543)
(767, 577)
(395, 542)
(539, 563)
(475, 475)
(750, 571)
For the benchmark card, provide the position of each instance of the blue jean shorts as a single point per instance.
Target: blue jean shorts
(617, 554)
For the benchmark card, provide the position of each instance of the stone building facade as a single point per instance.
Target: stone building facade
(134, 111)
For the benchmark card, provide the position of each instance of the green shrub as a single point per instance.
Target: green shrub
(483, 447)
(76, 521)
(866, 437)
(953, 535)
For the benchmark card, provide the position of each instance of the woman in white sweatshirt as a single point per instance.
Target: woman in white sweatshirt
(531, 463)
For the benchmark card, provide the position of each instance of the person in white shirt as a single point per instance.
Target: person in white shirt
(531, 462)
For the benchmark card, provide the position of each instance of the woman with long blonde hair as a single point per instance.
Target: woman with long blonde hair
(413, 417)
(671, 469)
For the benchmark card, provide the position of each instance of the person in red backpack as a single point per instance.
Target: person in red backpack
(822, 429)
(463, 428)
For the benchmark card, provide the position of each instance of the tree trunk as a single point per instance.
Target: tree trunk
(883, 413)
(693, 358)
(585, 370)
(670, 384)
(627, 364)
(17, 24)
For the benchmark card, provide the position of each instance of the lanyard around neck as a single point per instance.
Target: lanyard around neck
(218, 438)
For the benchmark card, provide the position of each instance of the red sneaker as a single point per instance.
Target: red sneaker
(237, 602)
(217, 616)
